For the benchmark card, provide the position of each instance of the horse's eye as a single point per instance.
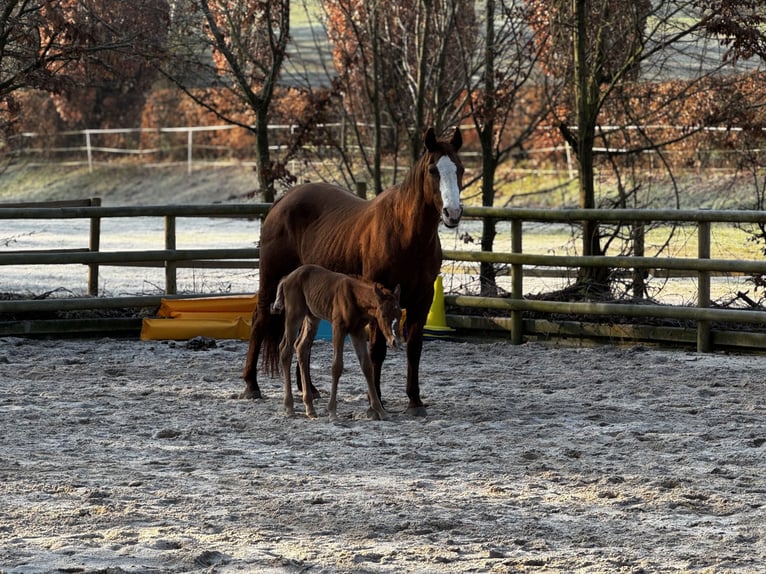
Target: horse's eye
(433, 170)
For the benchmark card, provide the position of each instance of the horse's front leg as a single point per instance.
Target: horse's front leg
(378, 352)
(414, 351)
(376, 410)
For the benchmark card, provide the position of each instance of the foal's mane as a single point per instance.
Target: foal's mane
(367, 280)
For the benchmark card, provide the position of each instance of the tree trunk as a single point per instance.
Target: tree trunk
(586, 86)
(262, 156)
(375, 100)
(487, 272)
(423, 39)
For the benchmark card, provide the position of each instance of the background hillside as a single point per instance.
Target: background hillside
(128, 184)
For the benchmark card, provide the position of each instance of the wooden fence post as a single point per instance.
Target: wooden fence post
(704, 342)
(171, 286)
(94, 245)
(517, 284)
(89, 151)
(189, 147)
(639, 275)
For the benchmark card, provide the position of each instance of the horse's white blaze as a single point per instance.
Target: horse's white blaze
(450, 191)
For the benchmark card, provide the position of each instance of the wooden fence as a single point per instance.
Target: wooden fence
(516, 305)
(560, 155)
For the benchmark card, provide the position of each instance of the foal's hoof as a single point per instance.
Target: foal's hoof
(251, 394)
(417, 411)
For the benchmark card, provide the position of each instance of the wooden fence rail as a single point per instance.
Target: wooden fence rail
(171, 258)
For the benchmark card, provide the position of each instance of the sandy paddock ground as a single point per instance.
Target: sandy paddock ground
(128, 456)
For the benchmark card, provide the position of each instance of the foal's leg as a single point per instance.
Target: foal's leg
(303, 348)
(359, 342)
(338, 339)
(286, 357)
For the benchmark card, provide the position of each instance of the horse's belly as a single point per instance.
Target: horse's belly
(338, 252)
(323, 226)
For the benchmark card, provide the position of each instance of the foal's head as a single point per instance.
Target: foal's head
(388, 313)
(447, 170)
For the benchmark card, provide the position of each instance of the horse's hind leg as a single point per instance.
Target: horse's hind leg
(376, 410)
(250, 372)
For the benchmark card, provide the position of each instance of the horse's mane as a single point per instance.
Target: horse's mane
(408, 181)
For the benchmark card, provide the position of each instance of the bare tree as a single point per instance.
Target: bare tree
(611, 52)
(107, 83)
(399, 69)
(82, 52)
(500, 74)
(31, 45)
(238, 48)
(353, 29)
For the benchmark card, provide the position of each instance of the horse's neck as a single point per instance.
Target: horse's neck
(415, 212)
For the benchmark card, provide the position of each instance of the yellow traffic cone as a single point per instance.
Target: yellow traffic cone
(436, 323)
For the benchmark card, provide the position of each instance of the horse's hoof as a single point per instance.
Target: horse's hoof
(374, 415)
(417, 411)
(251, 394)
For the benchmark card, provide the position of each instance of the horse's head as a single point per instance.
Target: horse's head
(444, 165)
(389, 313)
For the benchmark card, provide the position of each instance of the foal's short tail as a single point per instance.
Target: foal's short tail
(279, 303)
(273, 329)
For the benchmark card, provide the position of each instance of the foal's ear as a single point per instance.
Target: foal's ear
(430, 140)
(457, 139)
(398, 292)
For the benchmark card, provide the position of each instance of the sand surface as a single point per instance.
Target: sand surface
(129, 456)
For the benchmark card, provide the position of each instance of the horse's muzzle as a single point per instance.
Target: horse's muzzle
(451, 220)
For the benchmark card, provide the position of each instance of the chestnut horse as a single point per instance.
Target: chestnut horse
(311, 293)
(392, 239)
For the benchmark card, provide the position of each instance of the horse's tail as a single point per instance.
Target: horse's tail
(273, 329)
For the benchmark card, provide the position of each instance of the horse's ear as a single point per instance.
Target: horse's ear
(398, 292)
(457, 139)
(430, 140)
